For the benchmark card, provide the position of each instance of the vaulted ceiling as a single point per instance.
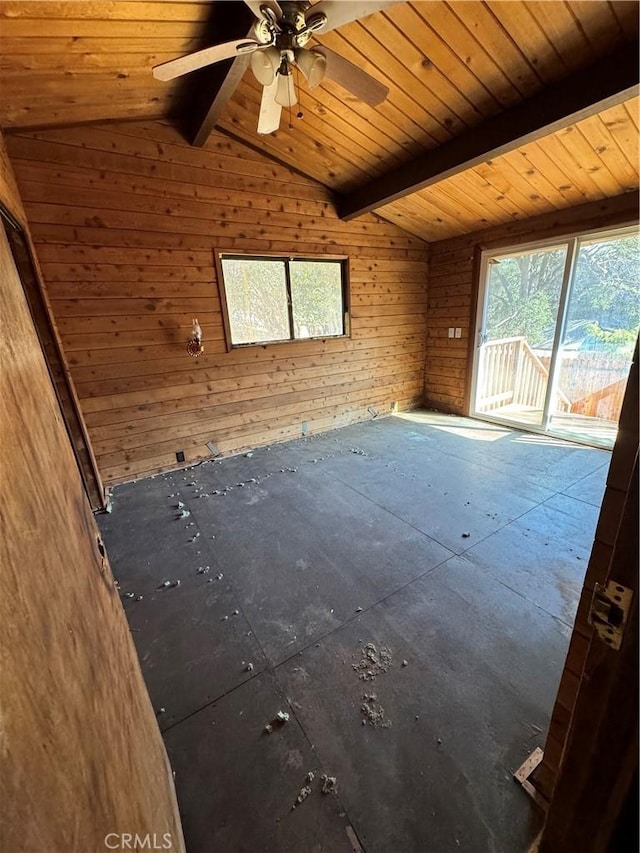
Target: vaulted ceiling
(454, 70)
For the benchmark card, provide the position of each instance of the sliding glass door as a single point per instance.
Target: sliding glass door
(600, 330)
(522, 296)
(557, 326)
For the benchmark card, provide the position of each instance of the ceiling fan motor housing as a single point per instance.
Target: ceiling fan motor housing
(293, 15)
(292, 30)
(284, 39)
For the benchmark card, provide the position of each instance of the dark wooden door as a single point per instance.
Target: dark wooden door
(594, 807)
(52, 352)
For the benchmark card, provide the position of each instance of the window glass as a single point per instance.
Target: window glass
(270, 300)
(316, 295)
(256, 292)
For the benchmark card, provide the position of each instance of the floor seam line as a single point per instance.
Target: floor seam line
(312, 747)
(525, 597)
(355, 616)
(432, 538)
(580, 500)
(387, 510)
(236, 596)
(214, 701)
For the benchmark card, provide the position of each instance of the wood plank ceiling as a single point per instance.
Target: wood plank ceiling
(449, 66)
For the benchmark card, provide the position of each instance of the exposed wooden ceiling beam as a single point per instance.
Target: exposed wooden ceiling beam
(229, 81)
(608, 82)
(206, 92)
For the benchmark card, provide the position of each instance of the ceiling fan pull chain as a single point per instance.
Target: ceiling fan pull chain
(300, 113)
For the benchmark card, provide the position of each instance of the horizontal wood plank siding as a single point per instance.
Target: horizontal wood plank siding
(126, 219)
(453, 289)
(83, 754)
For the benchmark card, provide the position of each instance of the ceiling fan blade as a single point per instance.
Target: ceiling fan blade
(270, 109)
(354, 79)
(341, 12)
(256, 5)
(185, 64)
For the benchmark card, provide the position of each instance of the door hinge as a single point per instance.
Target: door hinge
(609, 612)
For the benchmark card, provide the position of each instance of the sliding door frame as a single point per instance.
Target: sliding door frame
(561, 325)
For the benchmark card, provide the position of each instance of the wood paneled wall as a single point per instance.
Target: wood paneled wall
(82, 754)
(126, 219)
(453, 282)
(9, 193)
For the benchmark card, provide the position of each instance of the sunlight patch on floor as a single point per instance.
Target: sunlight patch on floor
(544, 440)
(456, 425)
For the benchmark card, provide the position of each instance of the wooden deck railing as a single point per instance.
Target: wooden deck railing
(602, 403)
(512, 374)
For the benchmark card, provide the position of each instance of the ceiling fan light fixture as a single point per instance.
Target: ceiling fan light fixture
(312, 64)
(285, 91)
(269, 14)
(316, 22)
(281, 31)
(264, 64)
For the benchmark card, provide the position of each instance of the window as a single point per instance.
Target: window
(273, 299)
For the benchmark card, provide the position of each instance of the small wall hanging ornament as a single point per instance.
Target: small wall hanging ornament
(194, 345)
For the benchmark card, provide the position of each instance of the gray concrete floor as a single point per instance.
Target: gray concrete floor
(457, 545)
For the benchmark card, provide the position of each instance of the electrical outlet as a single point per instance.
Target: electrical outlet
(180, 456)
(451, 331)
(458, 332)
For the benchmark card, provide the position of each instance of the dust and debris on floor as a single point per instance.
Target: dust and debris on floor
(329, 784)
(302, 796)
(373, 713)
(278, 721)
(305, 791)
(169, 584)
(373, 661)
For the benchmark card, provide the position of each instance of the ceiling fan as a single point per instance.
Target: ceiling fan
(280, 35)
